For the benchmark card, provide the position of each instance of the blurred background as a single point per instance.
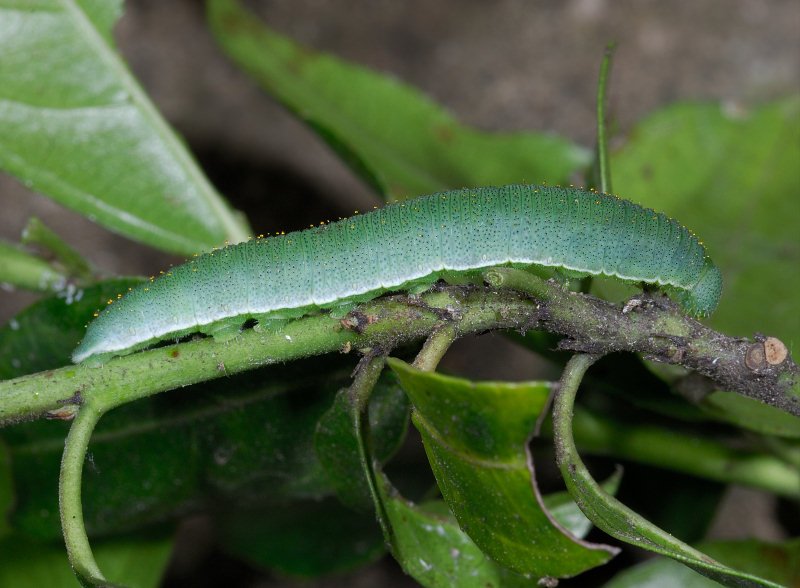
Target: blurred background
(504, 65)
(501, 65)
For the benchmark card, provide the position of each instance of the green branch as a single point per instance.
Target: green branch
(687, 452)
(657, 329)
(386, 322)
(435, 347)
(591, 325)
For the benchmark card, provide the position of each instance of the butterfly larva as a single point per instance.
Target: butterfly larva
(407, 244)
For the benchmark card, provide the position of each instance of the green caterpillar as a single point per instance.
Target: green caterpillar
(406, 245)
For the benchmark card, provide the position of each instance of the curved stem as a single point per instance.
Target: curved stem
(608, 513)
(69, 494)
(517, 279)
(360, 391)
(562, 412)
(601, 508)
(435, 347)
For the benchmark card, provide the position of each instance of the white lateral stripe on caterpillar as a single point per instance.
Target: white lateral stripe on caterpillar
(404, 244)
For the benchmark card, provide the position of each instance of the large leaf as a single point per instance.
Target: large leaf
(244, 441)
(43, 335)
(475, 435)
(247, 438)
(75, 125)
(732, 177)
(393, 136)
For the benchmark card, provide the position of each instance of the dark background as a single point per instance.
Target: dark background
(504, 65)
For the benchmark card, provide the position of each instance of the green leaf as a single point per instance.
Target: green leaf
(245, 439)
(751, 414)
(138, 562)
(42, 336)
(76, 126)
(475, 435)
(685, 452)
(35, 232)
(426, 541)
(778, 562)
(186, 445)
(608, 513)
(229, 439)
(24, 270)
(397, 139)
(729, 175)
(429, 545)
(337, 445)
(6, 491)
(660, 573)
(303, 538)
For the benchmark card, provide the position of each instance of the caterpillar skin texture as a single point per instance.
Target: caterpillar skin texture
(407, 244)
